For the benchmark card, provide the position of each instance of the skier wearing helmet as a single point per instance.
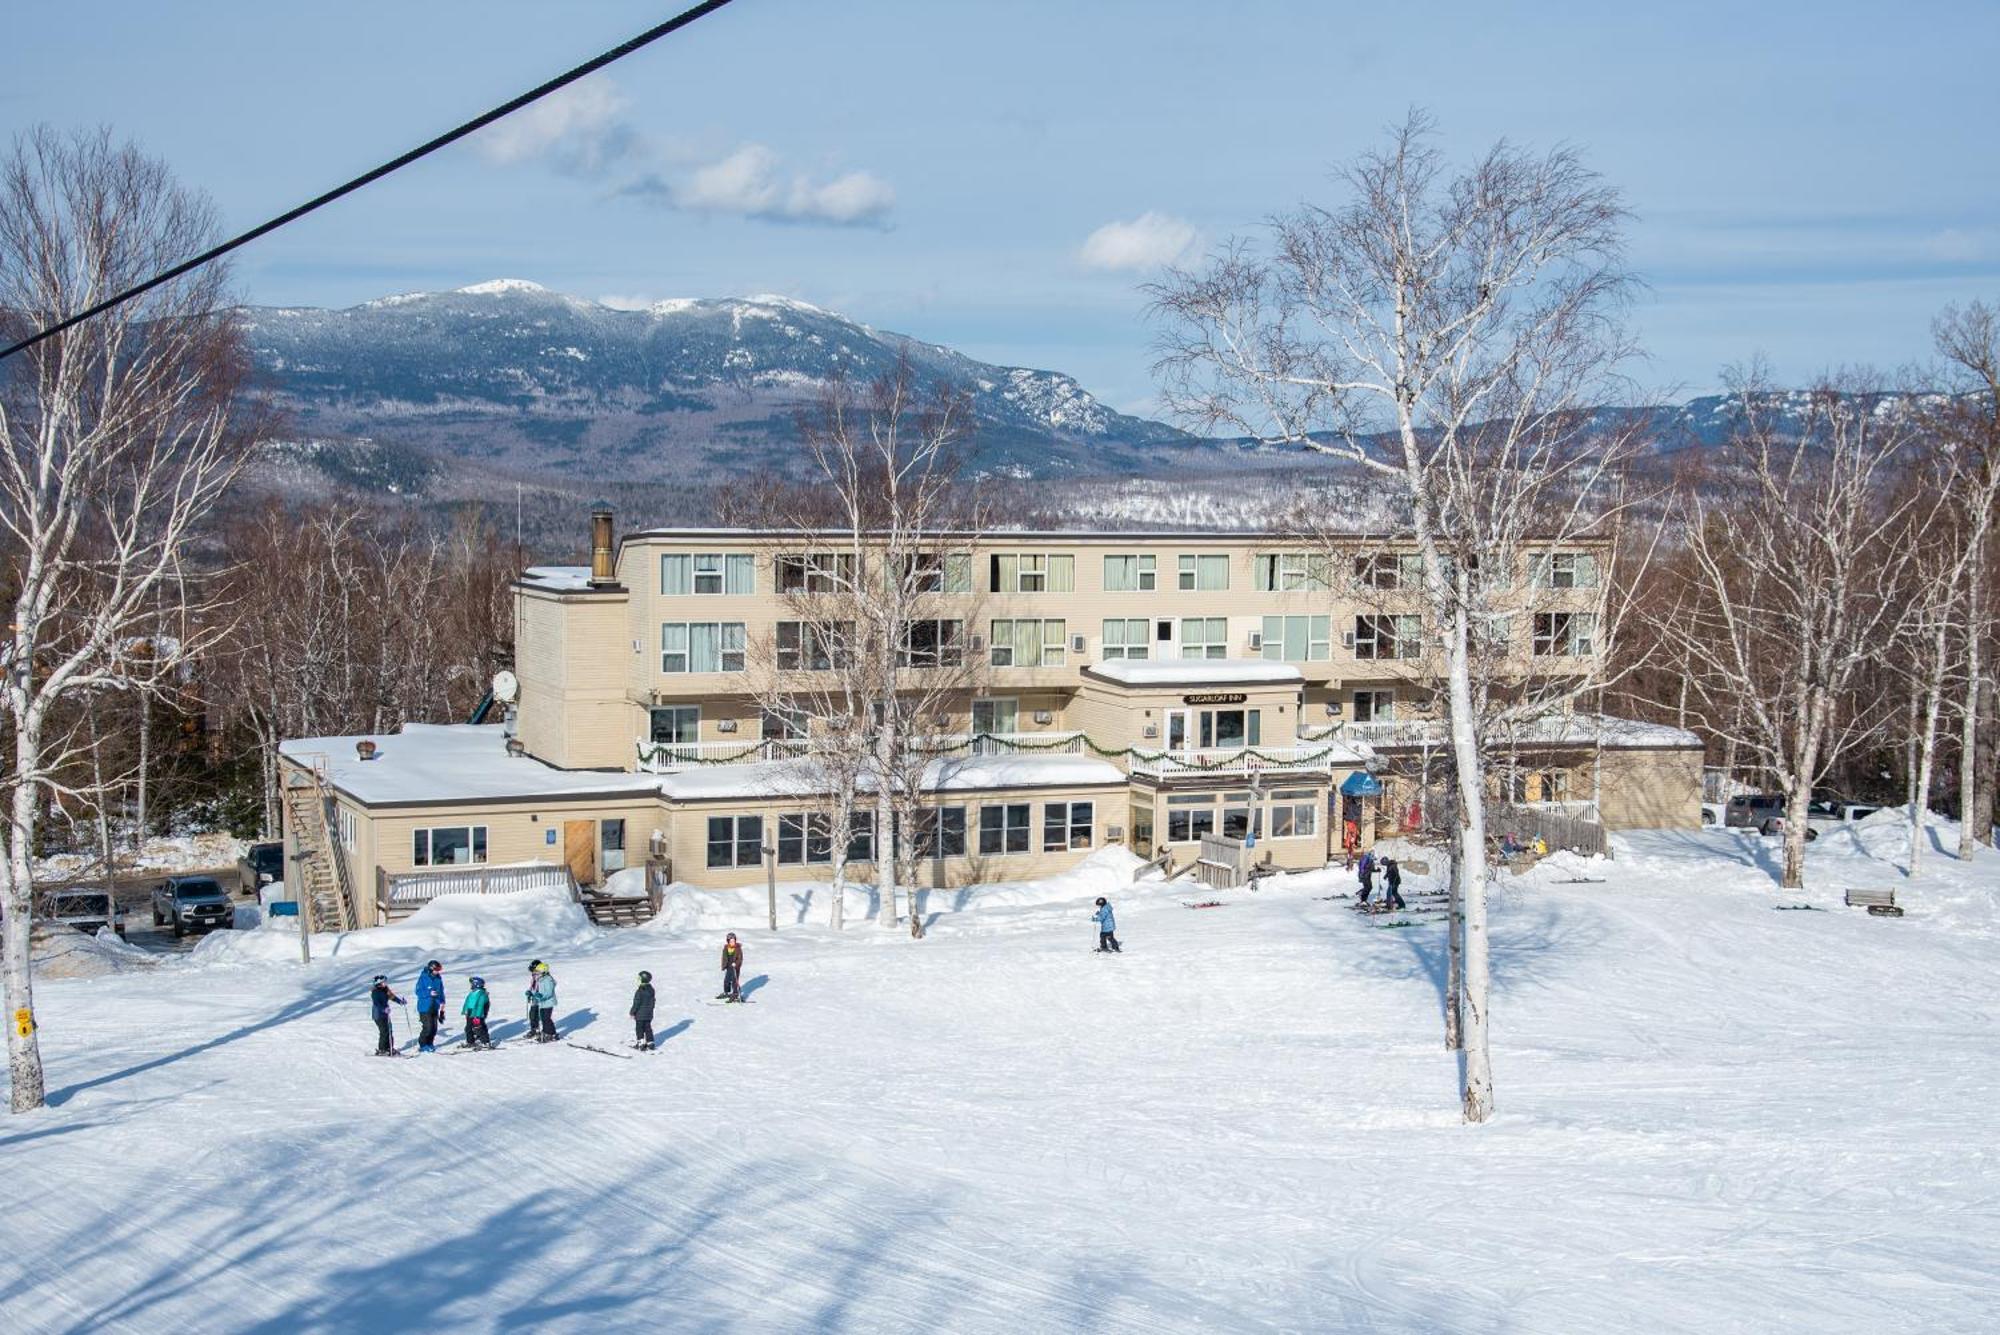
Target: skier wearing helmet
(379, 998)
(430, 1005)
(474, 1009)
(1107, 927)
(542, 1003)
(732, 970)
(642, 1013)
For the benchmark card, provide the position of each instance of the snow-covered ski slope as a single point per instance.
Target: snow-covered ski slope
(1715, 1116)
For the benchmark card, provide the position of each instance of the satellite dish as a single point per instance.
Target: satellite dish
(505, 686)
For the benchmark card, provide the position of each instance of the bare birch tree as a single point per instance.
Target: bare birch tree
(119, 442)
(1445, 333)
(1793, 580)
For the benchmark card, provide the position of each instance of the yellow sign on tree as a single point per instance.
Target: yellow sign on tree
(24, 1022)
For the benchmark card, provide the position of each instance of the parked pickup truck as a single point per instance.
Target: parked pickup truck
(260, 865)
(1824, 816)
(192, 904)
(86, 910)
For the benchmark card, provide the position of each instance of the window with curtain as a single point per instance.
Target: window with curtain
(1292, 572)
(702, 646)
(1306, 639)
(1130, 574)
(1385, 637)
(1204, 573)
(1028, 642)
(1204, 637)
(1127, 637)
(1563, 570)
(676, 573)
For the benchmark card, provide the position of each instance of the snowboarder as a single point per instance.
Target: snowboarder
(1107, 927)
(474, 1009)
(642, 1013)
(732, 970)
(1367, 874)
(542, 1003)
(379, 998)
(1392, 882)
(430, 1005)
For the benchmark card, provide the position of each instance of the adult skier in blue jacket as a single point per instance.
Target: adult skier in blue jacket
(430, 1005)
(1107, 926)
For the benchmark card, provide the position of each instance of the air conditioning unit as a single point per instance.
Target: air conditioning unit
(1152, 730)
(978, 643)
(1078, 644)
(1333, 709)
(1347, 639)
(1256, 640)
(1044, 717)
(725, 725)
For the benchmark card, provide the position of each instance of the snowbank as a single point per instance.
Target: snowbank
(61, 952)
(454, 924)
(180, 853)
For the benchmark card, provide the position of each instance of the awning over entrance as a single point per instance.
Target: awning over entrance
(1359, 784)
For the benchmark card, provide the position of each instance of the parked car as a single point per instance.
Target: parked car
(260, 865)
(192, 904)
(86, 910)
(1825, 815)
(1756, 811)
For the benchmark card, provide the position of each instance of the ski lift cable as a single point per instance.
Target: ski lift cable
(623, 49)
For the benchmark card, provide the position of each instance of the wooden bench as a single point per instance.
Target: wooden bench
(1879, 903)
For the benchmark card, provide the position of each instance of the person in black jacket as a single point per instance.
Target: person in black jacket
(642, 1013)
(1392, 880)
(379, 998)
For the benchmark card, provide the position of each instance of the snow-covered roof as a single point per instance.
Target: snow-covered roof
(1195, 671)
(799, 778)
(454, 762)
(1549, 730)
(566, 579)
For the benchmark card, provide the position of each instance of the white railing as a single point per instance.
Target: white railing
(1246, 760)
(1004, 743)
(665, 757)
(413, 889)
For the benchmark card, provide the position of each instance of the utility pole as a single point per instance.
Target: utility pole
(771, 881)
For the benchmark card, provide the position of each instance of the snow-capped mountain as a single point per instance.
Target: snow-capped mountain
(690, 389)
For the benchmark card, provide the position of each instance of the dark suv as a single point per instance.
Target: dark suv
(260, 865)
(192, 904)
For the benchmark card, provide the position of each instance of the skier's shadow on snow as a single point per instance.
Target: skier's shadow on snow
(675, 1032)
(754, 984)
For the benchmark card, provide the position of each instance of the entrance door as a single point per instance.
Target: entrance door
(580, 850)
(1180, 729)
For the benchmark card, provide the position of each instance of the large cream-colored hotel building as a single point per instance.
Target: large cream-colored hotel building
(1143, 688)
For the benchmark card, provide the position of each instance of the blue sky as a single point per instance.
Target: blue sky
(1812, 182)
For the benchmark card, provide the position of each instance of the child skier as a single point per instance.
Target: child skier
(642, 1013)
(430, 1005)
(1392, 881)
(1367, 872)
(732, 970)
(474, 1009)
(1107, 927)
(542, 1003)
(379, 998)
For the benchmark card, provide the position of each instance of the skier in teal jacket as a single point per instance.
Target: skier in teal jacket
(477, 1002)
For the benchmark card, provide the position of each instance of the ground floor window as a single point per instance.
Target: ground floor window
(611, 845)
(1294, 813)
(941, 833)
(1067, 825)
(860, 837)
(804, 839)
(1190, 816)
(1004, 829)
(735, 841)
(1142, 830)
(449, 846)
(1237, 815)
(1541, 785)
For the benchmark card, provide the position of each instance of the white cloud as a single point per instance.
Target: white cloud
(581, 131)
(752, 182)
(1149, 241)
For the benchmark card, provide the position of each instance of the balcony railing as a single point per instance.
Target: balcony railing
(1247, 761)
(666, 757)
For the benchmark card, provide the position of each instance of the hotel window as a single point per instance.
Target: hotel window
(1374, 706)
(1130, 574)
(1542, 785)
(803, 840)
(1294, 813)
(735, 841)
(1204, 637)
(785, 723)
(815, 572)
(1305, 639)
(812, 646)
(1563, 570)
(350, 827)
(1190, 816)
(1028, 642)
(1388, 636)
(1565, 634)
(1127, 637)
(707, 572)
(1389, 570)
(996, 717)
(449, 846)
(1067, 825)
(1019, 572)
(941, 833)
(934, 644)
(1292, 572)
(860, 837)
(1204, 573)
(674, 725)
(1491, 632)
(940, 572)
(1237, 815)
(701, 646)
(1004, 829)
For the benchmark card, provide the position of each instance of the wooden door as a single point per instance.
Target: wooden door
(580, 850)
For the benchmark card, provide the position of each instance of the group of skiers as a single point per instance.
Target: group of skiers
(1392, 880)
(540, 997)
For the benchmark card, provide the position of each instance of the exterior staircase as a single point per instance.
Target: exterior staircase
(324, 889)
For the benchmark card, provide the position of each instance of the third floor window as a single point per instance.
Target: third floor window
(1292, 572)
(1204, 573)
(1130, 574)
(707, 572)
(1031, 572)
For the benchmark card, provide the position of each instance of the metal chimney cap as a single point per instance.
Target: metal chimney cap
(600, 507)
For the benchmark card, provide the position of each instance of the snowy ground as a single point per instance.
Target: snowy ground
(1714, 1116)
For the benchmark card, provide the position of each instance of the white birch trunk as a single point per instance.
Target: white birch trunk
(24, 1050)
(1968, 734)
(1927, 748)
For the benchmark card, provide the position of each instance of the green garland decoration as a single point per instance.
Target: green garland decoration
(1233, 760)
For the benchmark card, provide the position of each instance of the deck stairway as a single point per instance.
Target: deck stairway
(321, 871)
